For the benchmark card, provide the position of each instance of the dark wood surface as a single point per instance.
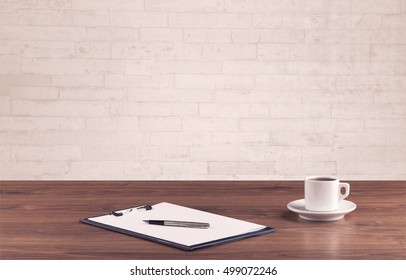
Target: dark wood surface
(40, 220)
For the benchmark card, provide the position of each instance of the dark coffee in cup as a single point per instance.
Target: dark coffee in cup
(325, 179)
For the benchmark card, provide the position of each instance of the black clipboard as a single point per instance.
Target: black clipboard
(106, 224)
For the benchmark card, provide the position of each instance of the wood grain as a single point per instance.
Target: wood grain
(40, 220)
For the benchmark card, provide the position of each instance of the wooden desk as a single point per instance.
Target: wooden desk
(40, 220)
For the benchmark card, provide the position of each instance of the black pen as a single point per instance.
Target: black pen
(177, 223)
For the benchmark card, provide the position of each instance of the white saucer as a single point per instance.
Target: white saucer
(298, 206)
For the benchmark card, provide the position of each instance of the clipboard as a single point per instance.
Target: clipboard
(222, 229)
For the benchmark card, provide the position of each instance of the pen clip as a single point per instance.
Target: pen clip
(119, 213)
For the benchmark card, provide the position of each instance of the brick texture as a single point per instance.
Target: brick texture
(191, 89)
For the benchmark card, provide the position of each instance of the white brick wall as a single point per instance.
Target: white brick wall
(191, 89)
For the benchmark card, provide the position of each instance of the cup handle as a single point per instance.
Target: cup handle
(347, 190)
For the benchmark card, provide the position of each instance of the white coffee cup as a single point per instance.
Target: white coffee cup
(323, 193)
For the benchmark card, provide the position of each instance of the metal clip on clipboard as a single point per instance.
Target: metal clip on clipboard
(119, 213)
